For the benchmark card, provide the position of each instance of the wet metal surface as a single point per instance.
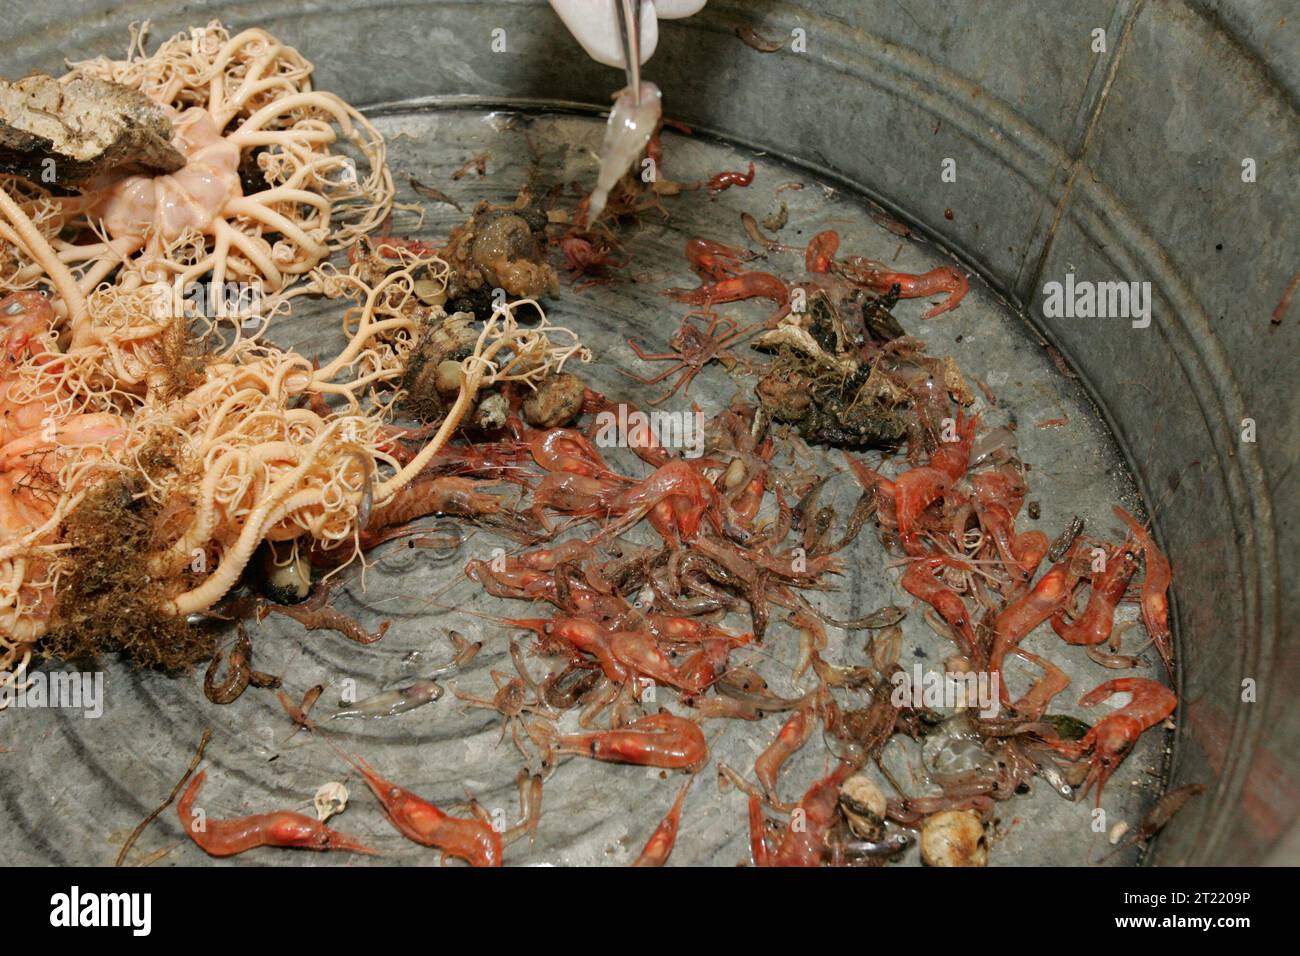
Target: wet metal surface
(111, 771)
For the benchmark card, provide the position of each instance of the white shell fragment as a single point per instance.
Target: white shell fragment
(330, 799)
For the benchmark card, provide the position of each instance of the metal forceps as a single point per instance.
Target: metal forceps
(629, 25)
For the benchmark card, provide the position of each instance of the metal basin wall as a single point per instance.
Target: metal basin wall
(1120, 160)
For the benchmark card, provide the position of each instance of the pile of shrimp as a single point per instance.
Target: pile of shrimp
(635, 624)
(113, 395)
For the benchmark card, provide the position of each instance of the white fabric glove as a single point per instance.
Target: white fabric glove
(594, 23)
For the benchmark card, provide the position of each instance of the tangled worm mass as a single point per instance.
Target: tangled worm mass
(147, 448)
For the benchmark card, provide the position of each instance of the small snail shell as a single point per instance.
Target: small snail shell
(863, 804)
(954, 838)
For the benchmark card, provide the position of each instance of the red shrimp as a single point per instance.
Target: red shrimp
(1054, 680)
(794, 733)
(641, 441)
(421, 822)
(569, 451)
(917, 488)
(942, 279)
(689, 630)
(996, 522)
(713, 260)
(1155, 588)
(803, 845)
(690, 496)
(750, 285)
(1112, 737)
(283, 828)
(919, 581)
(658, 740)
(576, 550)
(1020, 554)
(507, 582)
(1003, 486)
(588, 637)
(571, 494)
(640, 654)
(1094, 625)
(820, 255)
(1029, 549)
(725, 180)
(660, 845)
(1021, 616)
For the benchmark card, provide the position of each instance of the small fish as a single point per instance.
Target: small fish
(891, 845)
(756, 41)
(392, 702)
(1052, 773)
(428, 192)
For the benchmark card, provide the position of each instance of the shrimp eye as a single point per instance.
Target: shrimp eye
(394, 792)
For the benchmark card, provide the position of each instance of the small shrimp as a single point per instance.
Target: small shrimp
(421, 822)
(393, 702)
(820, 255)
(640, 654)
(1054, 680)
(1155, 589)
(300, 713)
(920, 581)
(239, 673)
(690, 496)
(917, 488)
(1111, 738)
(570, 451)
(803, 845)
(658, 740)
(812, 641)
(318, 614)
(744, 685)
(750, 285)
(1109, 655)
(660, 845)
(572, 494)
(1094, 625)
(563, 690)
(939, 280)
(713, 260)
(283, 828)
(1021, 616)
(725, 180)
(794, 733)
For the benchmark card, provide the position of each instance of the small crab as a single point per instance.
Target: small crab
(693, 347)
(584, 257)
(512, 699)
